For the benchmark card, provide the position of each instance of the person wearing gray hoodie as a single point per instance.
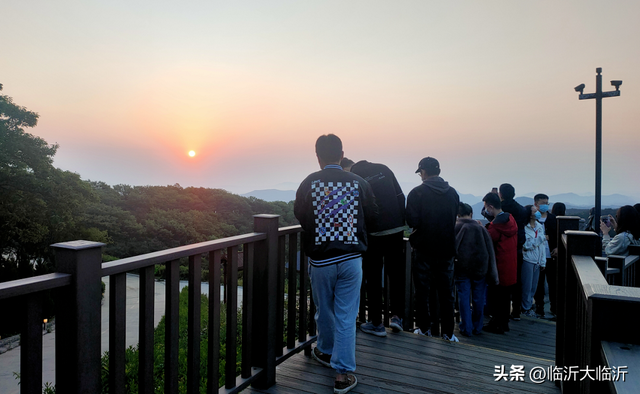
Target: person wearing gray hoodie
(432, 208)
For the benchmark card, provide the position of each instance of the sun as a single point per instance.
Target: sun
(192, 153)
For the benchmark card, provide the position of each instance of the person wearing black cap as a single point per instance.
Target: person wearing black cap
(431, 212)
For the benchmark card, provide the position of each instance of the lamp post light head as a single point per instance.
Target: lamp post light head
(616, 84)
(579, 88)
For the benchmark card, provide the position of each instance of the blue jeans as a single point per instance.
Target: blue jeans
(336, 294)
(530, 274)
(475, 289)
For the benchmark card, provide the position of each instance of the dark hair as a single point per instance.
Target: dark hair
(507, 191)
(527, 211)
(329, 148)
(346, 162)
(637, 207)
(628, 220)
(464, 209)
(539, 197)
(559, 209)
(493, 200)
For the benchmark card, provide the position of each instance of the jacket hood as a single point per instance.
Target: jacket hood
(505, 225)
(437, 185)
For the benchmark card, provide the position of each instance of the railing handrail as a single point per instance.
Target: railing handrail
(34, 284)
(162, 256)
(289, 230)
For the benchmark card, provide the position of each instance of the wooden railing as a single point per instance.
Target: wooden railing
(78, 296)
(593, 313)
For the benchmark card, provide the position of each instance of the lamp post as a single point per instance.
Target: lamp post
(598, 95)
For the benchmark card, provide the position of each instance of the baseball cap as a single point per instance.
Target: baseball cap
(428, 163)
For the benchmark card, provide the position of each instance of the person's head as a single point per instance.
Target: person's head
(492, 204)
(559, 209)
(428, 167)
(637, 207)
(346, 164)
(329, 149)
(541, 201)
(532, 212)
(465, 211)
(628, 219)
(507, 192)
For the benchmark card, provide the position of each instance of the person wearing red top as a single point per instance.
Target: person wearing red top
(504, 234)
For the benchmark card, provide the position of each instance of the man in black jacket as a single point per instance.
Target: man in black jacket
(334, 208)
(511, 206)
(431, 212)
(385, 246)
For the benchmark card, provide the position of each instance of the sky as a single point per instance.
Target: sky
(128, 88)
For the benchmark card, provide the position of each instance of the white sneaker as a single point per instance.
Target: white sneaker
(452, 339)
(419, 332)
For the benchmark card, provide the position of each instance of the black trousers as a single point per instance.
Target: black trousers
(499, 300)
(384, 251)
(516, 290)
(431, 275)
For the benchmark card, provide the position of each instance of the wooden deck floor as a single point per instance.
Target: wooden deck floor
(408, 363)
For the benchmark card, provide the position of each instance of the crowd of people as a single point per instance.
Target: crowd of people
(353, 217)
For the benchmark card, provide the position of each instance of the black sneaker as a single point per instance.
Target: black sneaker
(340, 387)
(396, 324)
(493, 329)
(324, 359)
(515, 317)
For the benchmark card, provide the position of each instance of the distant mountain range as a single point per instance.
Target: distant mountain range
(571, 200)
(272, 195)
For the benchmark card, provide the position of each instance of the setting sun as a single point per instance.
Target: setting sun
(192, 153)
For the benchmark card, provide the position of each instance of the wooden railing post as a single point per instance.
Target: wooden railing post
(579, 243)
(564, 223)
(265, 300)
(31, 345)
(78, 368)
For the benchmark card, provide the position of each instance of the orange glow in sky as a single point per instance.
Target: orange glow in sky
(484, 87)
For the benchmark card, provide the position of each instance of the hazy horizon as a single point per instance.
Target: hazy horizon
(128, 89)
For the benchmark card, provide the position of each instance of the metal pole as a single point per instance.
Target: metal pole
(596, 219)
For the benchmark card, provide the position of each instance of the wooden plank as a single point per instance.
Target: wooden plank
(117, 333)
(31, 344)
(621, 354)
(34, 284)
(291, 294)
(407, 363)
(280, 294)
(193, 324)
(171, 342)
(146, 330)
(232, 316)
(213, 371)
(163, 256)
(247, 310)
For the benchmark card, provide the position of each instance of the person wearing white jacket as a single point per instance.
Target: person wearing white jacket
(534, 257)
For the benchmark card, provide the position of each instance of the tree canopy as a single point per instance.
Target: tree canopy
(39, 204)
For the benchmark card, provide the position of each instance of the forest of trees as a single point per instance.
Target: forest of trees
(41, 205)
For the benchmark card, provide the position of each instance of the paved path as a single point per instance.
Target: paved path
(10, 361)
